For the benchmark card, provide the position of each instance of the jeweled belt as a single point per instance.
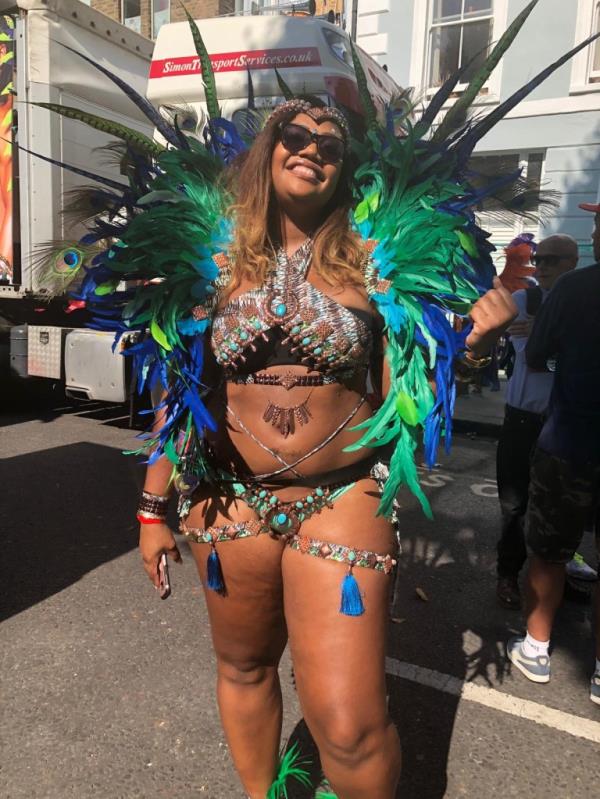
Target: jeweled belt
(288, 380)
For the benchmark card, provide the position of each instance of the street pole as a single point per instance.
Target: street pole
(354, 20)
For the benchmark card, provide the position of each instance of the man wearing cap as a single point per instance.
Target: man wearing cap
(527, 397)
(565, 472)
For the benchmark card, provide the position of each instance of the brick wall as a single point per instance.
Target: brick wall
(112, 8)
(199, 9)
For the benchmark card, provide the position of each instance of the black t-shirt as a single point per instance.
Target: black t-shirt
(567, 329)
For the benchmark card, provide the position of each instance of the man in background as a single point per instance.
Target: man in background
(527, 397)
(565, 471)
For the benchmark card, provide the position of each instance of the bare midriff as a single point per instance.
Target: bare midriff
(328, 405)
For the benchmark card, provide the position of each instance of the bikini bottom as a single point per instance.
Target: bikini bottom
(283, 519)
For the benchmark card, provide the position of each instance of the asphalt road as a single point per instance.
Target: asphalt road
(107, 692)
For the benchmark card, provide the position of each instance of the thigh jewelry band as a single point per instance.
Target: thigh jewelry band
(351, 603)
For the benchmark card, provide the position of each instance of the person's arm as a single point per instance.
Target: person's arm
(156, 536)
(491, 315)
(544, 339)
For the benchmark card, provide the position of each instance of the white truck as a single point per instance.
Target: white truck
(312, 56)
(37, 337)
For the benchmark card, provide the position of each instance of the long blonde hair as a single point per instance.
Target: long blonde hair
(338, 254)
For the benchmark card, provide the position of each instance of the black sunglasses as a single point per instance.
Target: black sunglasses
(550, 259)
(296, 138)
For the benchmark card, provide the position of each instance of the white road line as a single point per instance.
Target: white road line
(490, 697)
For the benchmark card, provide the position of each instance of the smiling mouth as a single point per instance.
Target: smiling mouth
(307, 172)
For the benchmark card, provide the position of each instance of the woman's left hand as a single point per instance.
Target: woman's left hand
(491, 315)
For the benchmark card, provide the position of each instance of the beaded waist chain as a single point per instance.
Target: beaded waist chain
(288, 380)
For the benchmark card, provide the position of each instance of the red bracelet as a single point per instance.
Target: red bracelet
(148, 520)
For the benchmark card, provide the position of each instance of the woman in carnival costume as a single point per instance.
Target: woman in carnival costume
(267, 280)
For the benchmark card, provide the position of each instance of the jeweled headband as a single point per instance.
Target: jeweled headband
(318, 114)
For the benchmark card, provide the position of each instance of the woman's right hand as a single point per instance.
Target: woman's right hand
(154, 540)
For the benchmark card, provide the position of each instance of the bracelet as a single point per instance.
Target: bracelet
(149, 519)
(475, 363)
(153, 506)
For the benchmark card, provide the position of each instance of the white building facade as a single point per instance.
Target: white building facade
(554, 134)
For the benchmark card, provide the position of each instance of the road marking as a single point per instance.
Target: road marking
(496, 700)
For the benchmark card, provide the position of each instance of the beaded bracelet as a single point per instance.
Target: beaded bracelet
(475, 363)
(153, 506)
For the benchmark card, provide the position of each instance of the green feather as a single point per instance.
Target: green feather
(132, 137)
(106, 288)
(366, 100)
(456, 114)
(283, 87)
(208, 75)
(290, 766)
(171, 452)
(407, 409)
(158, 335)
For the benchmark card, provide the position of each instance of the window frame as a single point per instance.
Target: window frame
(461, 22)
(153, 32)
(519, 224)
(122, 9)
(583, 77)
(421, 51)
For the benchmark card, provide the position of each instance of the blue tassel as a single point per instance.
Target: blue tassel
(214, 572)
(352, 604)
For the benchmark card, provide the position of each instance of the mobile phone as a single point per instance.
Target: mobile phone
(164, 585)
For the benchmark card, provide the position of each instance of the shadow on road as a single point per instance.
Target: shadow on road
(64, 512)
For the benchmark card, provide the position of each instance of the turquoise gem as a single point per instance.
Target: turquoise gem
(319, 492)
(256, 324)
(281, 309)
(309, 499)
(295, 330)
(317, 350)
(243, 335)
(299, 505)
(234, 346)
(207, 538)
(352, 556)
(273, 500)
(306, 341)
(281, 518)
(224, 356)
(262, 494)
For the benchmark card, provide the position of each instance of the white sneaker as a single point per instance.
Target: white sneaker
(595, 688)
(579, 569)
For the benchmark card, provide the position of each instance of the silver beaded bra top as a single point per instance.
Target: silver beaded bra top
(289, 321)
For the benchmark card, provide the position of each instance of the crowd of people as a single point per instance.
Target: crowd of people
(548, 457)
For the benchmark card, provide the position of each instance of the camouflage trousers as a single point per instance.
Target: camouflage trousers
(563, 502)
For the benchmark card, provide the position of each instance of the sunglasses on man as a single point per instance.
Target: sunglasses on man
(295, 138)
(550, 259)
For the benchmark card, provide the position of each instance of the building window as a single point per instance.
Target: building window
(132, 14)
(595, 70)
(461, 32)
(504, 227)
(161, 10)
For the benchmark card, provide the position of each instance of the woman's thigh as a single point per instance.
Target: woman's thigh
(247, 619)
(339, 661)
